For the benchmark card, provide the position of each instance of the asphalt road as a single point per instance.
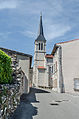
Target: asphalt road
(47, 104)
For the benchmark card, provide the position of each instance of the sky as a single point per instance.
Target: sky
(19, 23)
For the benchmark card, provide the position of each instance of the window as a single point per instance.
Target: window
(76, 84)
(49, 60)
(41, 46)
(49, 69)
(56, 65)
(52, 69)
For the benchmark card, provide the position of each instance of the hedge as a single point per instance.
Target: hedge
(5, 68)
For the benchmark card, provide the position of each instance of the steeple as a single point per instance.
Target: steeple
(40, 33)
(40, 27)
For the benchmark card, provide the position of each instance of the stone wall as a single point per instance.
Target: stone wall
(10, 93)
(9, 99)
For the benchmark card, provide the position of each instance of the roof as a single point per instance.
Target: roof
(41, 67)
(40, 33)
(56, 45)
(40, 38)
(15, 52)
(41, 27)
(54, 49)
(49, 56)
(67, 41)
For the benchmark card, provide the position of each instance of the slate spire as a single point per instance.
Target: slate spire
(41, 33)
(41, 26)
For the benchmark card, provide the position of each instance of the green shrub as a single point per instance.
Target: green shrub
(5, 68)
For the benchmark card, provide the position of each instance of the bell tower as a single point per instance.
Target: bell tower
(39, 53)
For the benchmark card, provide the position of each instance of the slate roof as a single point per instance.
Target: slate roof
(40, 38)
(15, 52)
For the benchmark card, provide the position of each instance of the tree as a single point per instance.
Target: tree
(5, 68)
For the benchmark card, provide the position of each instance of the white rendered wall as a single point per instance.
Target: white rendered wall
(70, 64)
(24, 63)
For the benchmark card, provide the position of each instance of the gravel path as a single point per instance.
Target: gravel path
(46, 104)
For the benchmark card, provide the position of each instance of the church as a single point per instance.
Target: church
(58, 70)
(43, 63)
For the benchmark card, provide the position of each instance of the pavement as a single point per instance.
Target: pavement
(47, 104)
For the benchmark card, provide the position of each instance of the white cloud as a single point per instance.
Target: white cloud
(56, 30)
(29, 34)
(28, 11)
(50, 10)
(8, 4)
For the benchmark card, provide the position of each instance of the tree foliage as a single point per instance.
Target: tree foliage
(5, 68)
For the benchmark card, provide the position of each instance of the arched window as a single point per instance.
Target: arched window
(39, 46)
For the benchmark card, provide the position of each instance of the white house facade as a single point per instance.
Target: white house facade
(66, 66)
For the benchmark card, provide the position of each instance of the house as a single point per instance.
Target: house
(42, 73)
(23, 62)
(66, 66)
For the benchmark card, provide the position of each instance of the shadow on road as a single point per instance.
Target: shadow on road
(26, 110)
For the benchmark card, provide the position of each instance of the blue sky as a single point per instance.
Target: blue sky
(19, 22)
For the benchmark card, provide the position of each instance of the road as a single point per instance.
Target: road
(47, 104)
